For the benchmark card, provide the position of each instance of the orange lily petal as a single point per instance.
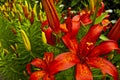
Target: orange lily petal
(71, 43)
(85, 19)
(37, 75)
(63, 28)
(48, 57)
(72, 25)
(28, 66)
(104, 65)
(104, 48)
(52, 16)
(88, 41)
(75, 25)
(62, 62)
(48, 77)
(68, 22)
(39, 63)
(83, 72)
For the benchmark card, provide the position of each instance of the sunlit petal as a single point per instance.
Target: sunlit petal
(85, 19)
(105, 66)
(71, 43)
(37, 75)
(104, 48)
(48, 77)
(75, 25)
(83, 72)
(39, 63)
(62, 62)
(48, 57)
(90, 39)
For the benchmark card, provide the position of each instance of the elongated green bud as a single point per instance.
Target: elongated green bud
(12, 47)
(44, 38)
(25, 40)
(0, 44)
(14, 8)
(34, 9)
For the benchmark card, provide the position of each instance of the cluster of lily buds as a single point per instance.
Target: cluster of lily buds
(17, 10)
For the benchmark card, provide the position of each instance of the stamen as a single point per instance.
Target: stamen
(89, 43)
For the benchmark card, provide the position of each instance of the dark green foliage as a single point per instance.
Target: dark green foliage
(115, 6)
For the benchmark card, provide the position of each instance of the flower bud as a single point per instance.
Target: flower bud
(25, 40)
(44, 38)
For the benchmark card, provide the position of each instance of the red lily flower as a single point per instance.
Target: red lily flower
(114, 33)
(50, 66)
(90, 55)
(73, 25)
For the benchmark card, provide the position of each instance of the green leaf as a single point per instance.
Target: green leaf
(103, 37)
(74, 2)
(100, 18)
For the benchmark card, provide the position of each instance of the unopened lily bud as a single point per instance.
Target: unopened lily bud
(20, 16)
(92, 5)
(44, 38)
(34, 9)
(30, 8)
(25, 40)
(6, 14)
(3, 8)
(14, 7)
(13, 30)
(31, 17)
(5, 51)
(25, 9)
(40, 5)
(0, 8)
(13, 15)
(0, 44)
(6, 4)
(16, 46)
(40, 16)
(26, 4)
(13, 48)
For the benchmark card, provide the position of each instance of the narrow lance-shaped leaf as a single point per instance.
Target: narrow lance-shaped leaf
(100, 18)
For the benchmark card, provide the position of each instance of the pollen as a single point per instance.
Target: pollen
(89, 43)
